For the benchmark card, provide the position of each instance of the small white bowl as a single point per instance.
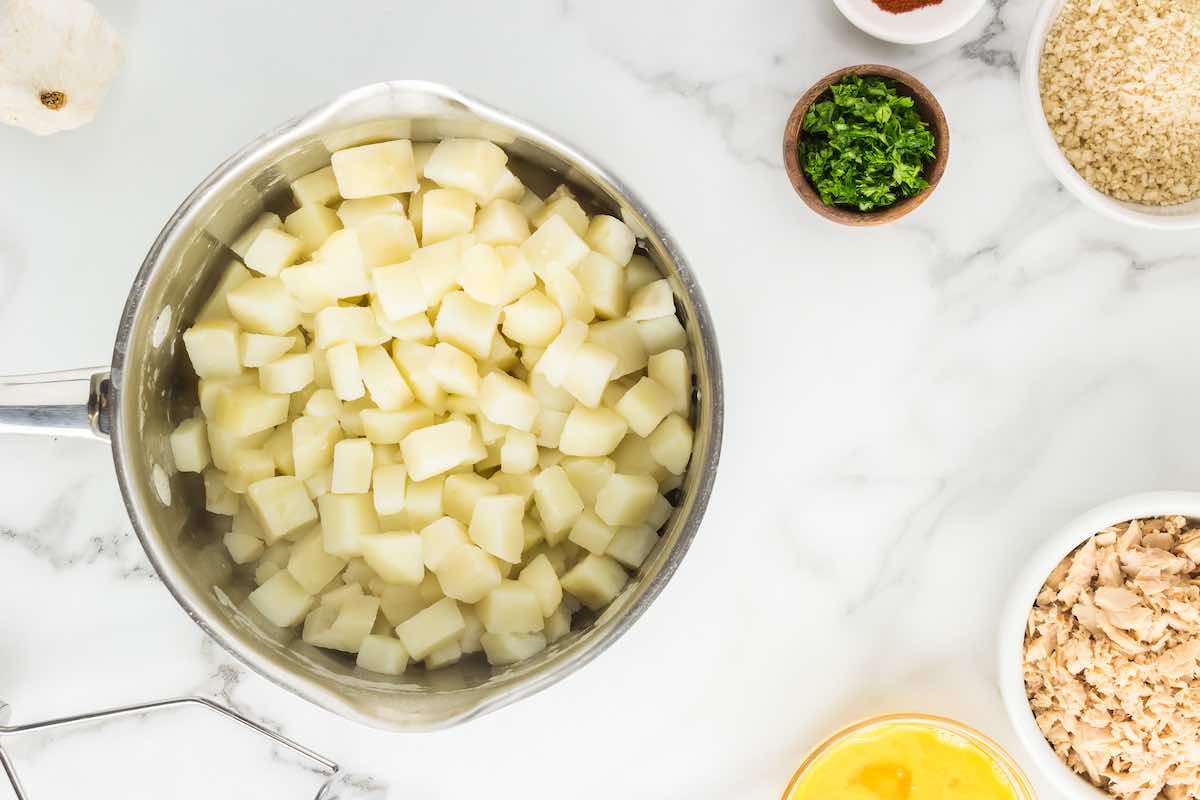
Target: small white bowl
(920, 26)
(1184, 216)
(1016, 614)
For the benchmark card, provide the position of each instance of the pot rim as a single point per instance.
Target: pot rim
(134, 496)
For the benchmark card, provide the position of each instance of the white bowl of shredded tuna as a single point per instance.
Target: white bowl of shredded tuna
(1099, 651)
(1111, 90)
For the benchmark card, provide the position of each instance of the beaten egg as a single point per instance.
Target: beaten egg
(908, 759)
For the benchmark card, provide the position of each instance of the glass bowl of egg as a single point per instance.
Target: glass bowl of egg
(908, 757)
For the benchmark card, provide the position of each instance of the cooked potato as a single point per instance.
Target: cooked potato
(453, 408)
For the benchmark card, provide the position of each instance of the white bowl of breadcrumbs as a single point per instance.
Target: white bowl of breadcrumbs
(1099, 651)
(1112, 93)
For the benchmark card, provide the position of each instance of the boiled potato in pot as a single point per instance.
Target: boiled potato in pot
(442, 413)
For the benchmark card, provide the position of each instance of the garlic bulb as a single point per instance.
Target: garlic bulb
(57, 58)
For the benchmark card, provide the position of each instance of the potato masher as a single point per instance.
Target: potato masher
(144, 708)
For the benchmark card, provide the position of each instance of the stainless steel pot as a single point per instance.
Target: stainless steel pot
(150, 387)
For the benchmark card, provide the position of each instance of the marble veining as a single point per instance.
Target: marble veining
(910, 409)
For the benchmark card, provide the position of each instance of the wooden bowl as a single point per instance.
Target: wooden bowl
(925, 104)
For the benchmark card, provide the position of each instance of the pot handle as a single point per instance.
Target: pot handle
(72, 402)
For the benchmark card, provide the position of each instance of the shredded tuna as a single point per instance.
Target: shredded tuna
(1112, 659)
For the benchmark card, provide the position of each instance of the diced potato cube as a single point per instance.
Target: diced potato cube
(467, 324)
(462, 491)
(342, 257)
(415, 362)
(532, 320)
(287, 374)
(595, 581)
(508, 187)
(312, 225)
(281, 506)
(218, 499)
(472, 630)
(342, 627)
(633, 457)
(456, 371)
(212, 348)
(353, 463)
(590, 371)
(588, 476)
(345, 371)
(345, 519)
(558, 624)
(336, 595)
(556, 361)
(631, 545)
(189, 445)
(247, 467)
(423, 501)
(215, 307)
(519, 453)
(416, 328)
(440, 265)
(507, 401)
(398, 290)
(323, 403)
(652, 301)
(354, 212)
(311, 566)
(223, 444)
(439, 448)
(620, 337)
(553, 246)
(272, 250)
(518, 275)
(396, 556)
(313, 440)
(603, 283)
(514, 484)
(446, 213)
(465, 572)
(591, 533)
(390, 427)
(558, 504)
(339, 324)
(567, 208)
(389, 484)
(428, 630)
(502, 222)
(243, 410)
(496, 525)
(473, 165)
(671, 444)
(264, 305)
(399, 603)
(313, 286)
(611, 237)
(264, 220)
(382, 654)
(664, 333)
(320, 482)
(591, 432)
(242, 548)
(661, 512)
(383, 380)
(670, 368)
(645, 406)
(385, 239)
(512, 607)
(444, 656)
(281, 600)
(257, 349)
(438, 538)
(374, 169)
(567, 293)
(509, 648)
(316, 188)
(626, 499)
(639, 272)
(540, 576)
(549, 427)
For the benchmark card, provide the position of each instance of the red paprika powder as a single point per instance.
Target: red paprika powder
(902, 6)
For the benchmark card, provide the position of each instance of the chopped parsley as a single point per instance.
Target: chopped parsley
(864, 145)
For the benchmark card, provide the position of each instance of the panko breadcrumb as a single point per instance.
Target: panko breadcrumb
(1120, 87)
(1112, 659)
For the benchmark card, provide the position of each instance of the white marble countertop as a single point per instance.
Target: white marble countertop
(909, 408)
